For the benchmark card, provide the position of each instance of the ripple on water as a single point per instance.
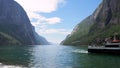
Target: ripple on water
(80, 51)
(10, 66)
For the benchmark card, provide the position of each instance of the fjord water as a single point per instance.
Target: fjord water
(54, 56)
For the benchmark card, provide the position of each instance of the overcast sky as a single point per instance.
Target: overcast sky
(55, 19)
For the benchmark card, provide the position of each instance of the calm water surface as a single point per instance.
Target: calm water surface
(54, 56)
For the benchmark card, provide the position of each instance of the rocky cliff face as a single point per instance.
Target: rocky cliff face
(15, 23)
(104, 22)
(108, 14)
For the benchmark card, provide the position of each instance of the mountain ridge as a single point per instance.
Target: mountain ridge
(104, 22)
(15, 24)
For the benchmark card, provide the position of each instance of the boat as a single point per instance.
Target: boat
(110, 47)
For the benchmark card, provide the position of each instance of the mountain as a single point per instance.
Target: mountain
(104, 22)
(15, 26)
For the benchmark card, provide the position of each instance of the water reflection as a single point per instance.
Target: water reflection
(15, 55)
(102, 61)
(51, 57)
(55, 57)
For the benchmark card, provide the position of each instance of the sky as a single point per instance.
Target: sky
(55, 19)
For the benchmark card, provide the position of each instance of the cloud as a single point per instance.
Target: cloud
(44, 6)
(41, 20)
(34, 8)
(53, 20)
(54, 31)
(54, 35)
(40, 5)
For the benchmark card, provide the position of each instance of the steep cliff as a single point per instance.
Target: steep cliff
(104, 22)
(79, 32)
(15, 27)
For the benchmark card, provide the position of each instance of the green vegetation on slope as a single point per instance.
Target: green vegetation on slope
(7, 39)
(103, 23)
(16, 32)
(88, 38)
(81, 31)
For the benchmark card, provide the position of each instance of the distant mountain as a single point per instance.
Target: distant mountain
(15, 26)
(104, 22)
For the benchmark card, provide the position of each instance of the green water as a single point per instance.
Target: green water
(54, 56)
